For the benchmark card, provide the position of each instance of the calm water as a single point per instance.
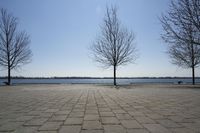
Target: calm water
(99, 81)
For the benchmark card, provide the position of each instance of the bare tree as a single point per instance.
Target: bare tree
(185, 55)
(14, 45)
(181, 14)
(114, 46)
(182, 34)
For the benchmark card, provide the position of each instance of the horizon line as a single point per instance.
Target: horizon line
(90, 77)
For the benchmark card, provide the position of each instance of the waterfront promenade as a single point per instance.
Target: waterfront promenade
(99, 109)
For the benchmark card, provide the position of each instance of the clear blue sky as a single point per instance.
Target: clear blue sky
(62, 30)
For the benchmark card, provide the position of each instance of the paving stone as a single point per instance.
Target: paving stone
(64, 112)
(58, 118)
(178, 119)
(91, 125)
(144, 120)
(124, 117)
(114, 129)
(46, 132)
(92, 112)
(156, 128)
(119, 111)
(78, 110)
(136, 113)
(48, 126)
(76, 114)
(192, 126)
(129, 109)
(181, 130)
(73, 121)
(168, 123)
(34, 113)
(131, 124)
(107, 114)
(36, 122)
(137, 131)
(105, 109)
(70, 129)
(92, 131)
(51, 110)
(46, 115)
(109, 120)
(24, 118)
(10, 126)
(26, 130)
(91, 117)
(155, 116)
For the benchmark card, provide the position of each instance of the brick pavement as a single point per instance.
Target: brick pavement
(98, 109)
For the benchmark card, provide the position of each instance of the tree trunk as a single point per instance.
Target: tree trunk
(193, 67)
(193, 75)
(8, 58)
(115, 75)
(9, 78)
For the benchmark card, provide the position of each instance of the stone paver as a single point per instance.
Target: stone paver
(26, 130)
(114, 129)
(168, 123)
(110, 120)
(123, 116)
(92, 131)
(144, 120)
(70, 129)
(156, 128)
(94, 112)
(107, 114)
(92, 125)
(36, 122)
(181, 130)
(137, 131)
(73, 121)
(58, 118)
(24, 118)
(99, 109)
(91, 117)
(131, 124)
(49, 126)
(77, 114)
(10, 126)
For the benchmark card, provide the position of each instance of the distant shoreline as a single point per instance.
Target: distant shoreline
(129, 86)
(97, 80)
(99, 77)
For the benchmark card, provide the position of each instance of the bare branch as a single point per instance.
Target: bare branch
(181, 14)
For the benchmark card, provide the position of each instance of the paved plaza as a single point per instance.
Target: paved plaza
(99, 109)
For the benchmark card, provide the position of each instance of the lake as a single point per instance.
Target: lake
(101, 81)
